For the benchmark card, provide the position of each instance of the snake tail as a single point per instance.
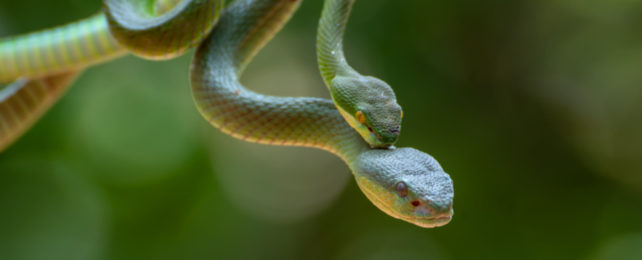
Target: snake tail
(23, 102)
(43, 64)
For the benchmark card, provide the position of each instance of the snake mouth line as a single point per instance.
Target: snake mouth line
(430, 222)
(437, 219)
(422, 221)
(432, 218)
(374, 134)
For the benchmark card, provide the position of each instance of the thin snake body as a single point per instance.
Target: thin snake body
(403, 182)
(367, 103)
(24, 101)
(68, 47)
(162, 36)
(123, 27)
(41, 58)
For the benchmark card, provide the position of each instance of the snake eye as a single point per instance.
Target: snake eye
(360, 117)
(402, 189)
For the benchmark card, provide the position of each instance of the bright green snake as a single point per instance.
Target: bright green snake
(403, 182)
(367, 103)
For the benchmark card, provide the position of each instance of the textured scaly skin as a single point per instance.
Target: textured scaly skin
(251, 116)
(86, 42)
(48, 60)
(164, 36)
(367, 103)
(24, 101)
(68, 47)
(405, 183)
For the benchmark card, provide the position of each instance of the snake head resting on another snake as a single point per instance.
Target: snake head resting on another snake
(369, 105)
(407, 184)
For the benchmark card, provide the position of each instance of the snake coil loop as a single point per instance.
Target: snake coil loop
(165, 36)
(403, 182)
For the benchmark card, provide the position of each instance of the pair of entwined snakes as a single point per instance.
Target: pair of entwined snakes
(403, 182)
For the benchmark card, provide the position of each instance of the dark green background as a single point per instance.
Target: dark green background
(533, 107)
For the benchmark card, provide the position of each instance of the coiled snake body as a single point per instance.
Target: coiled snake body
(403, 182)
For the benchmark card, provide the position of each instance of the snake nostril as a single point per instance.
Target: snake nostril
(441, 205)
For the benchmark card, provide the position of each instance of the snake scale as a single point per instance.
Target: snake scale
(403, 182)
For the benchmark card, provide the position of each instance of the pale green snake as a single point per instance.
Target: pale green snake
(403, 182)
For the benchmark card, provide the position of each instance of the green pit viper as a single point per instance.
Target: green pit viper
(403, 182)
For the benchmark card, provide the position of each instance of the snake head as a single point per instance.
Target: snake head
(406, 184)
(369, 105)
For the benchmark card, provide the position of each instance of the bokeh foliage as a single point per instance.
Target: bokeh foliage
(533, 107)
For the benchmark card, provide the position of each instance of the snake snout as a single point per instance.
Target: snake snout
(388, 136)
(441, 207)
(433, 208)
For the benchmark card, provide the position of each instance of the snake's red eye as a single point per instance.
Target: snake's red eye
(402, 189)
(415, 203)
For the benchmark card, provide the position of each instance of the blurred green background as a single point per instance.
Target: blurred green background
(533, 107)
